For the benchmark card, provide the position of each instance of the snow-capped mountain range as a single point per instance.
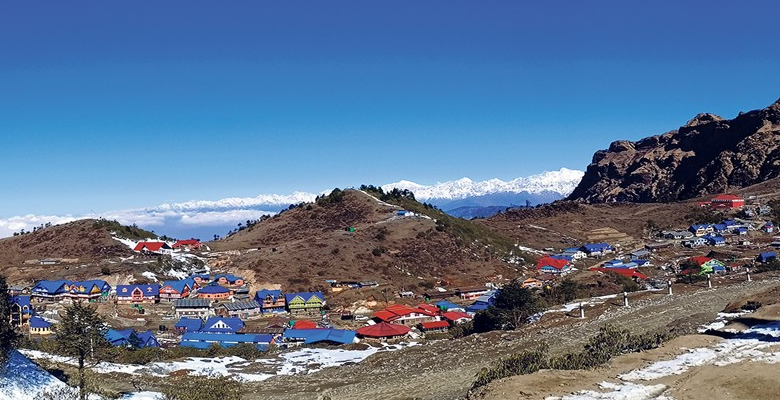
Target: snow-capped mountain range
(205, 218)
(561, 182)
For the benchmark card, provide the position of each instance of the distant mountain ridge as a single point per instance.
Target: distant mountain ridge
(469, 199)
(707, 155)
(561, 182)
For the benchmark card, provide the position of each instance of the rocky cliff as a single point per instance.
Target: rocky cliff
(707, 155)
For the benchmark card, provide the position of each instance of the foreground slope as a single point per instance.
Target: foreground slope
(707, 155)
(302, 247)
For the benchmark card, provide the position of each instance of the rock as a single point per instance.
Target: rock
(707, 155)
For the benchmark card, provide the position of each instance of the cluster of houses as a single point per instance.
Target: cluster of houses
(220, 287)
(561, 263)
(158, 247)
(699, 235)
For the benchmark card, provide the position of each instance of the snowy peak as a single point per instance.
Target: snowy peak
(561, 182)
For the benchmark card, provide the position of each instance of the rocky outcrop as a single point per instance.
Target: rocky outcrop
(707, 155)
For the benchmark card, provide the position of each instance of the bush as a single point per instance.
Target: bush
(105, 271)
(378, 251)
(191, 387)
(609, 342)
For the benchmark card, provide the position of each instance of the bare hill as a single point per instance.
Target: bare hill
(304, 246)
(568, 223)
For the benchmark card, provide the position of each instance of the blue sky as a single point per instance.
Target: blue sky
(112, 105)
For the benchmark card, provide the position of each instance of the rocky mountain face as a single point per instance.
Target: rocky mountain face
(707, 155)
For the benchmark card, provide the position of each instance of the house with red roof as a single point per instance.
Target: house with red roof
(727, 201)
(434, 326)
(627, 272)
(153, 247)
(383, 330)
(404, 315)
(188, 245)
(552, 265)
(456, 317)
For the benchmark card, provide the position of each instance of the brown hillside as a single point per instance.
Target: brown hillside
(566, 223)
(303, 247)
(83, 239)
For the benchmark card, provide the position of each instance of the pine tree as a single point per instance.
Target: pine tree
(81, 334)
(8, 336)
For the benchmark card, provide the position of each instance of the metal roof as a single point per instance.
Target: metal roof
(240, 305)
(191, 303)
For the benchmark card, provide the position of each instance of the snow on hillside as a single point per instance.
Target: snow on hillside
(562, 182)
(21, 379)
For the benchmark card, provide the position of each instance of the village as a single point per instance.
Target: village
(219, 309)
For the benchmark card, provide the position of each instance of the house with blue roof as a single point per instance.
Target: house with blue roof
(715, 240)
(481, 303)
(305, 303)
(222, 325)
(40, 326)
(271, 301)
(137, 294)
(597, 249)
(310, 336)
(186, 324)
(767, 256)
(614, 264)
(574, 252)
(92, 289)
(445, 306)
(201, 340)
(562, 257)
(229, 280)
(131, 338)
(200, 279)
(21, 310)
(214, 292)
(740, 230)
(50, 290)
(700, 229)
(173, 290)
(768, 227)
(719, 228)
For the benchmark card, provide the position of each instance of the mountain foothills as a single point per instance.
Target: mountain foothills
(355, 235)
(84, 240)
(707, 155)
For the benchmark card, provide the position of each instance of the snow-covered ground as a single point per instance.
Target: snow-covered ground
(304, 360)
(20, 379)
(755, 344)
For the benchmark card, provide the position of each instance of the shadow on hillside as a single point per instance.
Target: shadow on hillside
(766, 330)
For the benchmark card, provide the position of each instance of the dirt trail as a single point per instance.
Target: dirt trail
(445, 369)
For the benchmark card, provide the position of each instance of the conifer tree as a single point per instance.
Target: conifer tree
(8, 336)
(82, 335)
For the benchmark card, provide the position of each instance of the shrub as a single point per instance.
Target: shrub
(609, 342)
(105, 270)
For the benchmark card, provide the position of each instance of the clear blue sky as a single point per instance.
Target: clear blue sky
(111, 105)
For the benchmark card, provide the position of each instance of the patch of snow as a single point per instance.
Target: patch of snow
(127, 242)
(142, 396)
(748, 345)
(530, 250)
(150, 275)
(620, 391)
(177, 274)
(305, 360)
(21, 379)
